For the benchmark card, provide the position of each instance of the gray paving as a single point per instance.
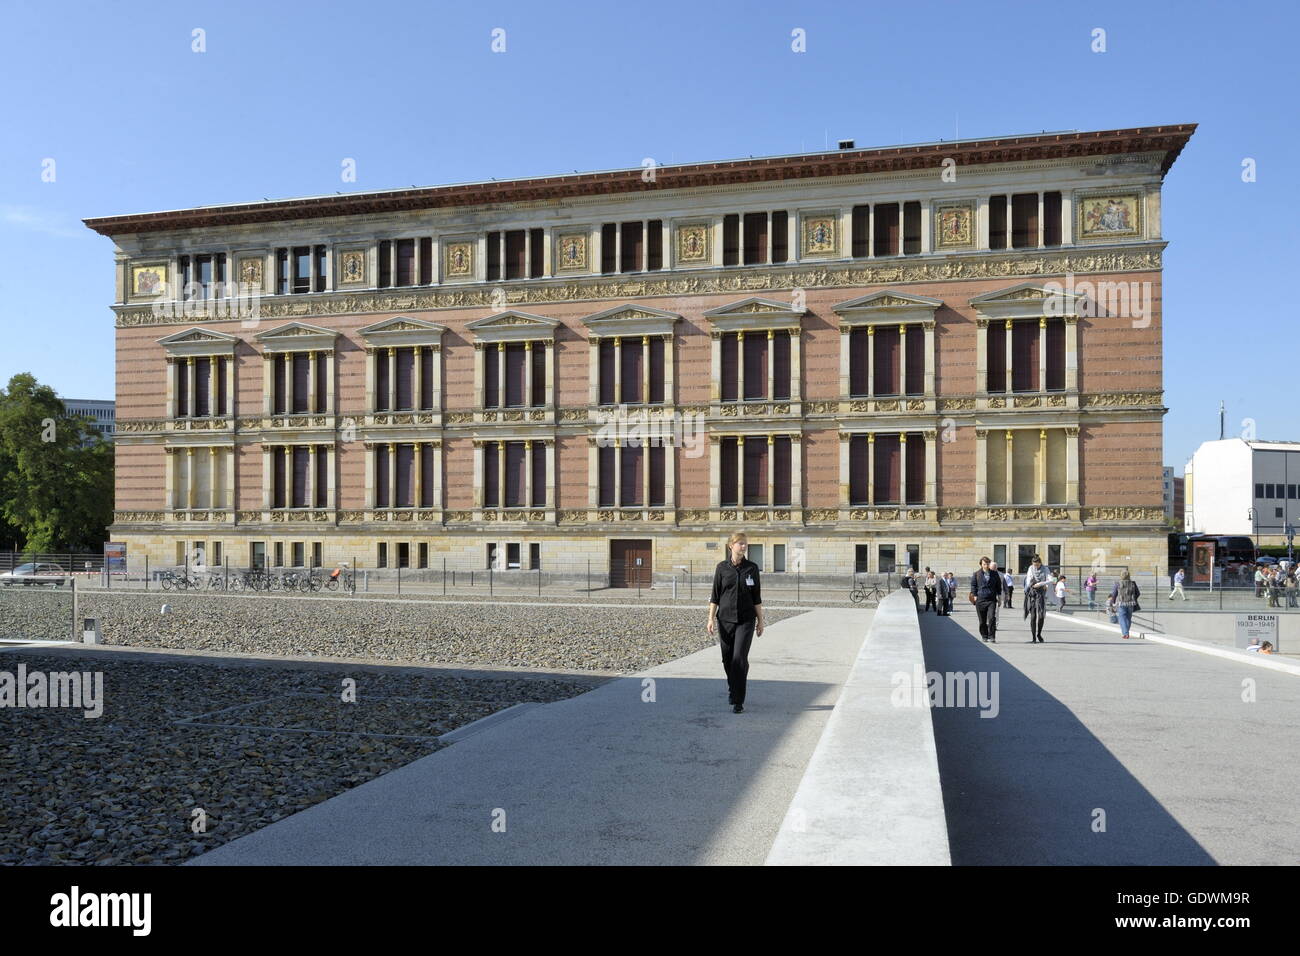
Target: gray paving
(604, 778)
(1157, 737)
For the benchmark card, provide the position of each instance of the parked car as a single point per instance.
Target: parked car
(1266, 559)
(34, 573)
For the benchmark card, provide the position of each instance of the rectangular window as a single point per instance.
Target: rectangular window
(997, 356)
(1024, 356)
(1000, 556)
(516, 463)
(654, 245)
(858, 462)
(426, 260)
(862, 558)
(539, 475)
(730, 350)
(403, 555)
(755, 359)
(886, 361)
(282, 271)
(657, 381)
(781, 371)
(755, 238)
(778, 558)
(216, 553)
(755, 553)
(279, 554)
(1268, 491)
(861, 222)
(780, 236)
(301, 381)
(538, 353)
(887, 470)
(257, 554)
(888, 561)
(915, 384)
(301, 460)
(728, 490)
(1277, 512)
(755, 492)
(1055, 354)
(315, 554)
(277, 478)
(1290, 491)
(405, 262)
(631, 370)
(859, 348)
(632, 240)
(515, 355)
(491, 476)
(405, 378)
(512, 555)
(1024, 220)
(1052, 219)
(631, 474)
(493, 256)
(515, 253)
(914, 556)
(381, 555)
(405, 476)
(1054, 557)
(911, 228)
(658, 462)
(609, 248)
(997, 222)
(302, 268)
(916, 468)
(1025, 557)
(202, 386)
(422, 560)
(383, 464)
(298, 554)
(491, 375)
(781, 465)
(608, 356)
(385, 264)
(535, 556)
(536, 253)
(731, 240)
(886, 229)
(606, 456)
(1259, 490)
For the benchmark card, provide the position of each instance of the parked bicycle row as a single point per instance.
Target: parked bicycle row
(257, 579)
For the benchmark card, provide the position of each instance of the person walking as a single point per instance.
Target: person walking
(931, 588)
(1291, 587)
(1061, 590)
(951, 580)
(1009, 585)
(941, 595)
(1090, 586)
(1259, 580)
(1037, 580)
(985, 591)
(1178, 586)
(1124, 599)
(736, 613)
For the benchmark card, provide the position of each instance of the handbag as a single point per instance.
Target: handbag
(972, 598)
(1114, 618)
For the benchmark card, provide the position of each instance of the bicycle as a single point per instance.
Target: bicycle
(339, 576)
(310, 581)
(858, 594)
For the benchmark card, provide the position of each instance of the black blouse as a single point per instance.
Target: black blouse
(732, 592)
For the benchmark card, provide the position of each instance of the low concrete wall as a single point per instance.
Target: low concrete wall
(871, 793)
(1220, 627)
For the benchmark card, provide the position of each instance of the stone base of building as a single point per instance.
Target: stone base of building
(661, 551)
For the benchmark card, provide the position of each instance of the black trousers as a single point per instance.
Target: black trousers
(1037, 607)
(929, 599)
(987, 609)
(735, 637)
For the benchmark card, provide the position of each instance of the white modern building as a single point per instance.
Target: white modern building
(1235, 486)
(102, 414)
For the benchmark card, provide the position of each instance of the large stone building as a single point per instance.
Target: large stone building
(860, 357)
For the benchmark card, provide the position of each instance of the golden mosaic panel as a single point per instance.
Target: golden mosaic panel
(693, 243)
(458, 260)
(820, 235)
(954, 226)
(571, 253)
(1109, 216)
(352, 267)
(149, 279)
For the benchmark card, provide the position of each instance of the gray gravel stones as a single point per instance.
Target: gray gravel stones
(123, 789)
(592, 637)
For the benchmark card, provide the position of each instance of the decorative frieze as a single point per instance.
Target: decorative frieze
(820, 275)
(1121, 399)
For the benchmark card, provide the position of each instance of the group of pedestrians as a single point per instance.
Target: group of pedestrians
(1277, 585)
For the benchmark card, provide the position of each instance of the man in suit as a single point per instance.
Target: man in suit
(736, 613)
(941, 590)
(986, 589)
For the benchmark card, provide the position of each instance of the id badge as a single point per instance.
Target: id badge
(749, 581)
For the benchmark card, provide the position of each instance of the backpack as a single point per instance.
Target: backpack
(1127, 593)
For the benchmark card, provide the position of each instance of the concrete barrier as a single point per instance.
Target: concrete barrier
(871, 793)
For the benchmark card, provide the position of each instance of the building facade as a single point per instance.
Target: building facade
(1237, 486)
(861, 358)
(101, 413)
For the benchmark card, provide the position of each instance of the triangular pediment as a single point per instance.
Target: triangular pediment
(512, 319)
(295, 330)
(632, 313)
(888, 299)
(402, 323)
(1028, 299)
(198, 336)
(753, 306)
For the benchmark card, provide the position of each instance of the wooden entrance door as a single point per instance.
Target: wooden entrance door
(629, 563)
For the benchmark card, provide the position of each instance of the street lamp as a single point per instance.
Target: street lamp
(1253, 516)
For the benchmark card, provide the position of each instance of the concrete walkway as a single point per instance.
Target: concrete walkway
(1157, 738)
(604, 778)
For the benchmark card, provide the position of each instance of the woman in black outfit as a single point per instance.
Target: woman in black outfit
(736, 612)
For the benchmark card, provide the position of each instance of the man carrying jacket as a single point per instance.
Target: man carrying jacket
(986, 589)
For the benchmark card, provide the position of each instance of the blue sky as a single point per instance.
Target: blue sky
(136, 121)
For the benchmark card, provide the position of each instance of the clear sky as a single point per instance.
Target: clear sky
(136, 121)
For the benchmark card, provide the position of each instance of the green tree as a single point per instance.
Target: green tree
(56, 483)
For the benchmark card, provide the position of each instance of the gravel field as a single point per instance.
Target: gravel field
(123, 788)
(493, 633)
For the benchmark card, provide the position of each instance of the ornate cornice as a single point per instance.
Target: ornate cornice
(1133, 258)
